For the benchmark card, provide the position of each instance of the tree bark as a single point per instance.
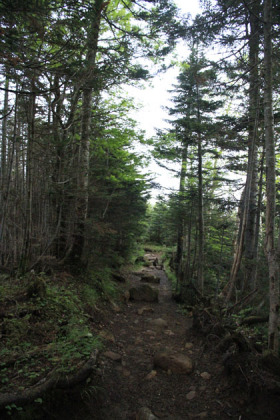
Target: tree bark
(271, 252)
(30, 179)
(4, 135)
(247, 236)
(251, 234)
(200, 268)
(79, 247)
(181, 220)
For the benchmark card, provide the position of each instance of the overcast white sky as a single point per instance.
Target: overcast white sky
(154, 98)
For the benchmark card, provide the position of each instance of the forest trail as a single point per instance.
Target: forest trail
(130, 386)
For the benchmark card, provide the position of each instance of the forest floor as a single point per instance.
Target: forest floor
(131, 387)
(152, 363)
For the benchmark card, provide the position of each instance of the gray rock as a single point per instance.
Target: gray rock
(150, 278)
(107, 335)
(145, 309)
(144, 293)
(205, 375)
(145, 414)
(178, 363)
(158, 323)
(113, 356)
(191, 395)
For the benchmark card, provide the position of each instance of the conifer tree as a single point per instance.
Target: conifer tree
(195, 99)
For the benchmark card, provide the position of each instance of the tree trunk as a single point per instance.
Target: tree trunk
(4, 135)
(79, 247)
(273, 266)
(30, 178)
(200, 274)
(247, 238)
(200, 268)
(251, 236)
(181, 220)
(5, 245)
(254, 272)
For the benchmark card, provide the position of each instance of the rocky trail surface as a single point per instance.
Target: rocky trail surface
(154, 366)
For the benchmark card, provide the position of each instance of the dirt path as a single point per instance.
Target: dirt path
(129, 381)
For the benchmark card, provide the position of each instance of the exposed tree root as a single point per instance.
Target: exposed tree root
(244, 364)
(53, 381)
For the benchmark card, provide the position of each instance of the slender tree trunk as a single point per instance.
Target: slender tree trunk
(247, 238)
(30, 178)
(200, 273)
(79, 247)
(189, 241)
(273, 266)
(251, 234)
(4, 135)
(200, 269)
(181, 220)
(254, 271)
(6, 248)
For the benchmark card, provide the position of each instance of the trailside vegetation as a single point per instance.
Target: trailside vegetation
(222, 146)
(74, 196)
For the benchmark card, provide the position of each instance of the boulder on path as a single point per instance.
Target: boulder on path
(150, 278)
(107, 335)
(144, 293)
(178, 364)
(145, 414)
(113, 356)
(150, 257)
(145, 309)
(191, 395)
(205, 375)
(158, 323)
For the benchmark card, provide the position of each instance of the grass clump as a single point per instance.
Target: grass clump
(100, 281)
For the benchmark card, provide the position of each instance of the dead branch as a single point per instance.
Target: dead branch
(242, 301)
(251, 320)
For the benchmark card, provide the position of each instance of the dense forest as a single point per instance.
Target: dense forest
(74, 188)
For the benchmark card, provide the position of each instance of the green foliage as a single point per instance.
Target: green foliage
(10, 408)
(91, 46)
(171, 276)
(99, 285)
(161, 224)
(89, 295)
(40, 335)
(118, 191)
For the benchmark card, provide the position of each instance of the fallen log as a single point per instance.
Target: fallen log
(251, 320)
(244, 301)
(54, 380)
